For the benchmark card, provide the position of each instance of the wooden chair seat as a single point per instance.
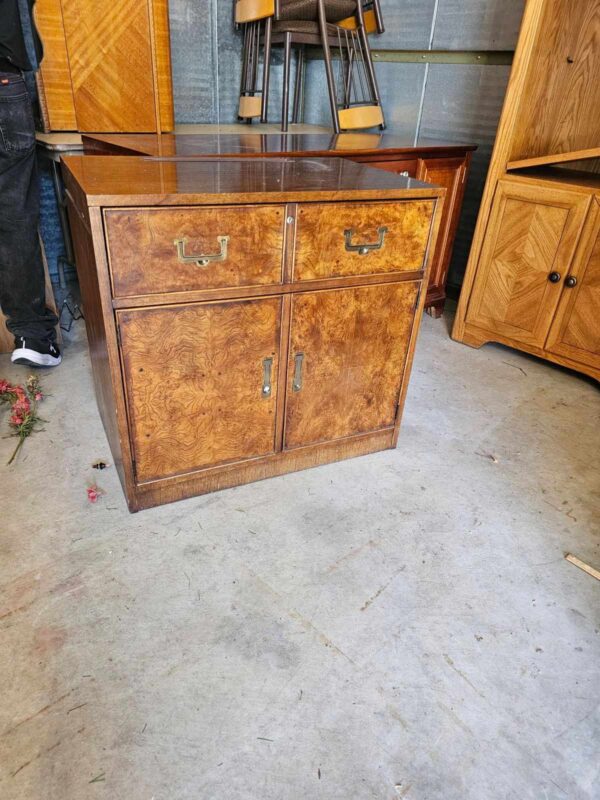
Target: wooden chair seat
(303, 26)
(308, 10)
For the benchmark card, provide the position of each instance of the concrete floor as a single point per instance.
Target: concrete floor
(402, 625)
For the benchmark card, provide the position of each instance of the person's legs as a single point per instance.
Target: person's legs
(22, 285)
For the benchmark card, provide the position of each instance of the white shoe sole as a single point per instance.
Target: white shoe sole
(32, 358)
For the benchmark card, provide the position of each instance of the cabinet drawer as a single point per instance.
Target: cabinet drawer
(154, 250)
(361, 238)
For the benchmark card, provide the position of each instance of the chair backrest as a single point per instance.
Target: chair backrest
(252, 10)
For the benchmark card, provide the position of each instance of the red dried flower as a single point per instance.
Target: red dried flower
(23, 410)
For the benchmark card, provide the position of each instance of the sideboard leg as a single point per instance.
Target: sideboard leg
(436, 310)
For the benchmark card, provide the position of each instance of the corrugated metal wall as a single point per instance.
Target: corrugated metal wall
(459, 102)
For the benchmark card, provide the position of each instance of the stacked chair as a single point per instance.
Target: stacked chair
(338, 26)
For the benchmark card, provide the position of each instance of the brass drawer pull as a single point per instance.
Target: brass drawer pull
(201, 260)
(364, 249)
(297, 384)
(267, 368)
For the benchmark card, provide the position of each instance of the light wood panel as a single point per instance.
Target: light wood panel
(161, 49)
(54, 76)
(575, 333)
(111, 64)
(194, 381)
(353, 344)
(561, 96)
(532, 233)
(555, 158)
(106, 65)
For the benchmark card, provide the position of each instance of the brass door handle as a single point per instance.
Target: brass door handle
(267, 368)
(202, 259)
(363, 249)
(297, 382)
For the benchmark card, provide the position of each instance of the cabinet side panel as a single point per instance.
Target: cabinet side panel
(95, 328)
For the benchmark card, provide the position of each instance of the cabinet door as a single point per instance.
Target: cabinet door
(575, 332)
(348, 348)
(531, 238)
(201, 383)
(449, 173)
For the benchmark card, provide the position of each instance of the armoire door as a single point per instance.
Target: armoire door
(575, 333)
(532, 236)
(348, 348)
(200, 383)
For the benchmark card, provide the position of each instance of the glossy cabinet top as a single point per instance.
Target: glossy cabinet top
(123, 180)
(266, 144)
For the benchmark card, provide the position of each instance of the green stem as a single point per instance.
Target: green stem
(17, 448)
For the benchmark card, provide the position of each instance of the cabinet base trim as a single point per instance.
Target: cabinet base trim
(476, 337)
(168, 491)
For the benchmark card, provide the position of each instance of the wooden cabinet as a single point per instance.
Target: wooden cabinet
(530, 219)
(216, 366)
(537, 285)
(530, 242)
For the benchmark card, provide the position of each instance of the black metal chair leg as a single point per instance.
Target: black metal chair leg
(299, 83)
(264, 111)
(328, 66)
(287, 57)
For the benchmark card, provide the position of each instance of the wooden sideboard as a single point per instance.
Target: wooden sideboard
(247, 318)
(445, 164)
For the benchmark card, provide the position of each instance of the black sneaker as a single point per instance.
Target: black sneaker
(35, 353)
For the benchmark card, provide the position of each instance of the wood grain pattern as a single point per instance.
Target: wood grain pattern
(354, 343)
(194, 378)
(161, 54)
(143, 256)
(575, 333)
(532, 232)
(54, 76)
(215, 479)
(130, 181)
(321, 249)
(555, 158)
(111, 65)
(561, 96)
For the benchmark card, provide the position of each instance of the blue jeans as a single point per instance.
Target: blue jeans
(22, 285)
